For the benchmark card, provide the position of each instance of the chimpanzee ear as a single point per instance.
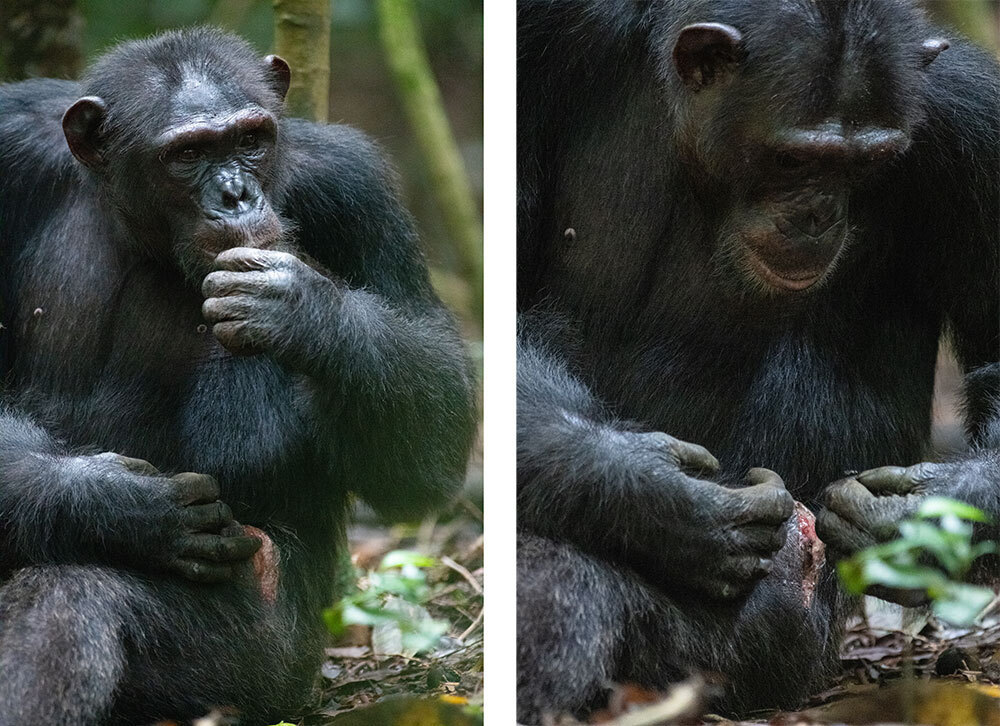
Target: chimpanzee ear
(705, 53)
(82, 126)
(931, 49)
(281, 74)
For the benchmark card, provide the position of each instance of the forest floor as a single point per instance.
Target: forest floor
(372, 675)
(898, 667)
(410, 647)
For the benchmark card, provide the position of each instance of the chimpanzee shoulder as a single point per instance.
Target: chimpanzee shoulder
(343, 197)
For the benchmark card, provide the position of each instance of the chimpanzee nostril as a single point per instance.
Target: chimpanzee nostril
(233, 192)
(819, 217)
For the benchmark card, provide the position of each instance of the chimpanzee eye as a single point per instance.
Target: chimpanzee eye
(789, 162)
(248, 141)
(190, 155)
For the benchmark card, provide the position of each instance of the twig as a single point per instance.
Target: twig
(469, 630)
(463, 572)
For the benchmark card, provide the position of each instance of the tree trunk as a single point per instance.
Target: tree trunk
(404, 50)
(302, 37)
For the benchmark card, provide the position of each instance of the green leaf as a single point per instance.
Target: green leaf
(399, 558)
(984, 548)
(940, 506)
(333, 617)
(960, 604)
(951, 549)
(906, 577)
(852, 575)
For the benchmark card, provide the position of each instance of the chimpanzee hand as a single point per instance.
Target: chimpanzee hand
(201, 541)
(263, 301)
(865, 510)
(714, 540)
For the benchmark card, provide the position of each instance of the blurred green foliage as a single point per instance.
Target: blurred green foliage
(933, 555)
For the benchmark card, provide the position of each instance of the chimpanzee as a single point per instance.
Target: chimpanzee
(743, 225)
(193, 283)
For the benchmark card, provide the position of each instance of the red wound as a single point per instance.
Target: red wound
(813, 552)
(265, 564)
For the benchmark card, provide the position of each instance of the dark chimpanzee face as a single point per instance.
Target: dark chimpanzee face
(196, 177)
(785, 121)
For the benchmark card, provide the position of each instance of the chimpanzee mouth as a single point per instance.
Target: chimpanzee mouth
(788, 279)
(262, 231)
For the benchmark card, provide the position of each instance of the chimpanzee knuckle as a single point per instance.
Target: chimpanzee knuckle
(847, 496)
(138, 466)
(778, 539)
(224, 549)
(234, 258)
(212, 309)
(224, 515)
(655, 441)
(922, 473)
(212, 285)
(196, 487)
(281, 281)
(784, 504)
(230, 334)
(885, 480)
(244, 547)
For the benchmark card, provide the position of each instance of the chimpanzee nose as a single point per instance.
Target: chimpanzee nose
(817, 218)
(233, 192)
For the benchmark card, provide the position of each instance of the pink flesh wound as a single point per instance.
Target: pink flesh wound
(265, 564)
(812, 549)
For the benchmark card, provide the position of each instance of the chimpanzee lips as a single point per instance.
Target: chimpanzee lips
(262, 230)
(790, 278)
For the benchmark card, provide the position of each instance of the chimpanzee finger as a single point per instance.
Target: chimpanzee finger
(736, 576)
(766, 501)
(222, 309)
(223, 283)
(897, 479)
(191, 488)
(839, 535)
(239, 337)
(217, 548)
(847, 497)
(693, 458)
(136, 466)
(206, 517)
(203, 572)
(243, 259)
(763, 539)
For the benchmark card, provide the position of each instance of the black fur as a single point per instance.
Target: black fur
(637, 319)
(104, 348)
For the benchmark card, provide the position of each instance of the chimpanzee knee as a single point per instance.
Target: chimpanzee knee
(61, 645)
(570, 624)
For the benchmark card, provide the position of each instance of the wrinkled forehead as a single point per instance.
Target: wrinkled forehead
(850, 58)
(202, 97)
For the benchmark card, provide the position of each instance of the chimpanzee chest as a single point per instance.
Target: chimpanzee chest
(135, 370)
(808, 403)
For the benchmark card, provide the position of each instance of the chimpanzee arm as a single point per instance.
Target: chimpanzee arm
(635, 497)
(58, 506)
(396, 390)
(945, 201)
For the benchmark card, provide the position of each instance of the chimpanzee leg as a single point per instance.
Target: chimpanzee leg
(583, 623)
(61, 645)
(90, 645)
(570, 628)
